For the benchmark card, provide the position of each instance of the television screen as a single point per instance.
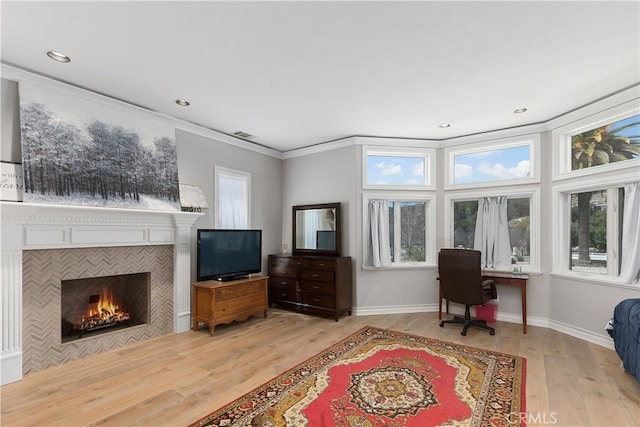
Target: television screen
(326, 240)
(228, 254)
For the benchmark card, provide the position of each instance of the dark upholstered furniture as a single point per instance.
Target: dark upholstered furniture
(626, 334)
(461, 281)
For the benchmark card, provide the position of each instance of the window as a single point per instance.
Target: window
(589, 228)
(493, 163)
(397, 168)
(609, 143)
(519, 219)
(588, 232)
(233, 191)
(505, 164)
(603, 142)
(398, 231)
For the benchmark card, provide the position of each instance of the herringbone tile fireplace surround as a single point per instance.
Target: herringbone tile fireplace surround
(43, 245)
(43, 273)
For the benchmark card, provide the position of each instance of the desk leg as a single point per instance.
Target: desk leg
(439, 303)
(523, 290)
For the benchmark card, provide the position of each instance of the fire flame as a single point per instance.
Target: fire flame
(103, 313)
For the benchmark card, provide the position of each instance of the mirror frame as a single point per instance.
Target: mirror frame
(326, 252)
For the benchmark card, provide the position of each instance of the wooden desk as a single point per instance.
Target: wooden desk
(510, 279)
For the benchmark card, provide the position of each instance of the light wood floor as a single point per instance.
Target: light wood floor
(179, 378)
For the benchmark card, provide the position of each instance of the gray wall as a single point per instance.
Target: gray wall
(197, 157)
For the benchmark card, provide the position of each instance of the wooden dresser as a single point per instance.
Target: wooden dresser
(311, 284)
(217, 302)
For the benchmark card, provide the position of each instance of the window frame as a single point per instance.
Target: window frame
(530, 192)
(427, 154)
(561, 137)
(430, 226)
(246, 176)
(532, 140)
(561, 265)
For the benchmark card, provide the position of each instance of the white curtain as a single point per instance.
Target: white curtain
(379, 249)
(630, 268)
(312, 223)
(492, 233)
(232, 201)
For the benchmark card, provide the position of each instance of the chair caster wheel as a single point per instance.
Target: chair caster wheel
(442, 324)
(463, 333)
(492, 332)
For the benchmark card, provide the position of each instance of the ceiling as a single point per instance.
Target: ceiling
(297, 74)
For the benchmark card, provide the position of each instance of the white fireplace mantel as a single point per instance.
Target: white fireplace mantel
(27, 226)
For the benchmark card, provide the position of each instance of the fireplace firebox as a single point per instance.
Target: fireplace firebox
(96, 305)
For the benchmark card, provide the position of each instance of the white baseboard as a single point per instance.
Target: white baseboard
(10, 368)
(542, 322)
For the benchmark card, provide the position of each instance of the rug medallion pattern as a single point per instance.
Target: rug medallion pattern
(378, 377)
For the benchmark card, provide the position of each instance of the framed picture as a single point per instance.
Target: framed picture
(11, 183)
(79, 148)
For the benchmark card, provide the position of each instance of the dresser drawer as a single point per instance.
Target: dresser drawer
(276, 294)
(318, 287)
(317, 275)
(284, 283)
(239, 291)
(283, 271)
(318, 300)
(286, 262)
(320, 264)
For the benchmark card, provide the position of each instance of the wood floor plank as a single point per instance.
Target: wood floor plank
(178, 378)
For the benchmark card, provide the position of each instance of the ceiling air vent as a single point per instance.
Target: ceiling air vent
(244, 135)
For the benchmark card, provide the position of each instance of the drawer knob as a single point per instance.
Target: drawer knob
(316, 287)
(315, 275)
(283, 283)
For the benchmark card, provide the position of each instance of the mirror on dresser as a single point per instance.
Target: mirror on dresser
(316, 229)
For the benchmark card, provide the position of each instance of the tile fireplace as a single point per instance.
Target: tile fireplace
(47, 250)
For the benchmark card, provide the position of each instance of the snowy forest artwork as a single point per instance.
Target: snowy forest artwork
(81, 150)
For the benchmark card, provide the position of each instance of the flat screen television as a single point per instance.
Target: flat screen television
(228, 254)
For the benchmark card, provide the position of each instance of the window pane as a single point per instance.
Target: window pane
(613, 142)
(412, 231)
(233, 196)
(464, 223)
(518, 215)
(395, 170)
(495, 165)
(589, 232)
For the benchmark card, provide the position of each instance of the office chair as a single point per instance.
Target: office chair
(461, 281)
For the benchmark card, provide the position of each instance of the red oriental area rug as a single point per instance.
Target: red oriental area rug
(377, 377)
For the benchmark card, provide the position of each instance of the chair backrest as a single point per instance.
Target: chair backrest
(460, 276)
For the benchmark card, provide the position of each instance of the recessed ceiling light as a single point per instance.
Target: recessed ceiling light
(183, 102)
(57, 56)
(445, 125)
(519, 111)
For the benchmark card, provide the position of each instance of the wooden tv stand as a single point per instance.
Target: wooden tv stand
(216, 302)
